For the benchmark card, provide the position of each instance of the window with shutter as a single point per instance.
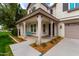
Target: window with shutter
(72, 6)
(76, 5)
(65, 6)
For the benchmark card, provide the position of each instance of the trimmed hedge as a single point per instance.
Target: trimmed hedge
(14, 31)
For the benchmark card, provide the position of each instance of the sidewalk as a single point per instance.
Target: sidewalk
(23, 49)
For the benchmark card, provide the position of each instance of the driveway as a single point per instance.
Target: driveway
(67, 47)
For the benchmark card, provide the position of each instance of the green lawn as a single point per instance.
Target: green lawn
(5, 41)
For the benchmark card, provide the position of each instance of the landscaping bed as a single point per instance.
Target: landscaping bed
(5, 41)
(44, 47)
(19, 39)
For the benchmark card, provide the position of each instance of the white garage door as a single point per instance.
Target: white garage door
(72, 31)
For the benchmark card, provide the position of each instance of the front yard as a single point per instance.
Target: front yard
(5, 41)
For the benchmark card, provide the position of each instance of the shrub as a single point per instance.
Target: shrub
(54, 41)
(44, 44)
(34, 45)
(51, 42)
(58, 37)
(14, 31)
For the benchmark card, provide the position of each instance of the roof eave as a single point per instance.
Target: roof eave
(53, 5)
(41, 3)
(38, 11)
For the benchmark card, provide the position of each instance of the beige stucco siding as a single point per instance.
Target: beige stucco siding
(58, 12)
(54, 11)
(38, 5)
(30, 7)
(44, 8)
(61, 29)
(55, 30)
(35, 33)
(21, 29)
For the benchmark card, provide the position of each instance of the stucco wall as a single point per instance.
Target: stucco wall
(54, 11)
(61, 29)
(38, 5)
(21, 29)
(30, 7)
(58, 12)
(35, 34)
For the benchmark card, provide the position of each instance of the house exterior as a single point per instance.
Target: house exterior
(61, 19)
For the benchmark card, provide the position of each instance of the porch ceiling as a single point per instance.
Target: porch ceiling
(37, 12)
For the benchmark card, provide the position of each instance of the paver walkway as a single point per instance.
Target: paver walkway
(67, 47)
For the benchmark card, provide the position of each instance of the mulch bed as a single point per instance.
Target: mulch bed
(19, 39)
(44, 47)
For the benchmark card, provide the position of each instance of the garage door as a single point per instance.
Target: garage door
(72, 31)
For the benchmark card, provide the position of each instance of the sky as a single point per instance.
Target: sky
(24, 5)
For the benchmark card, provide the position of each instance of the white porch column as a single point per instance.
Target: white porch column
(24, 30)
(51, 29)
(21, 30)
(39, 19)
(18, 32)
(17, 29)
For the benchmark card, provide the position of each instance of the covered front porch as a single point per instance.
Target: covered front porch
(33, 39)
(38, 27)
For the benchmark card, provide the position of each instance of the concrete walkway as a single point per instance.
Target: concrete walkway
(67, 47)
(23, 49)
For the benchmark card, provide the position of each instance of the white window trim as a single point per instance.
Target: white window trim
(75, 5)
(69, 5)
(32, 28)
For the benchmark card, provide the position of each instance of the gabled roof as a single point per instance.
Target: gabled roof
(28, 5)
(38, 11)
(41, 3)
(53, 5)
(44, 5)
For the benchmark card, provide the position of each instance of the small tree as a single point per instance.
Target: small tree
(10, 13)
